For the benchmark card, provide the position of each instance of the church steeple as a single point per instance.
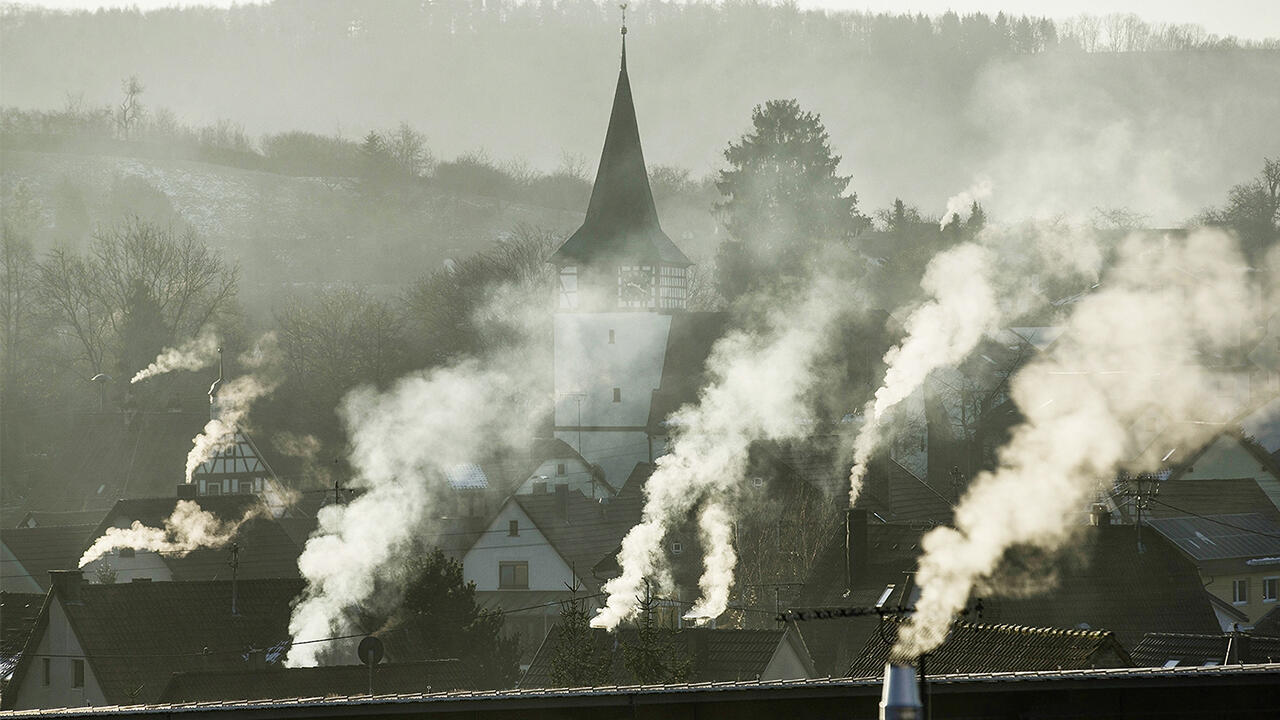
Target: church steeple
(622, 221)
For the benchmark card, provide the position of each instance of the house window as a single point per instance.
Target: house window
(561, 469)
(213, 488)
(1240, 591)
(77, 673)
(676, 548)
(610, 337)
(47, 677)
(513, 575)
(617, 394)
(1269, 588)
(513, 528)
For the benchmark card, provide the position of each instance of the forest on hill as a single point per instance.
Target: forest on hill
(917, 106)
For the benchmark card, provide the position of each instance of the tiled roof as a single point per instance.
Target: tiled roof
(1220, 537)
(590, 529)
(1158, 649)
(40, 518)
(714, 655)
(274, 682)
(18, 613)
(979, 647)
(105, 456)
(135, 635)
(1105, 583)
(267, 549)
(521, 699)
(1175, 498)
(41, 549)
(1268, 624)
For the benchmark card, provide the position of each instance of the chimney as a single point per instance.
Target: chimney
(562, 501)
(1237, 647)
(900, 696)
(855, 546)
(1099, 515)
(186, 491)
(66, 584)
(257, 659)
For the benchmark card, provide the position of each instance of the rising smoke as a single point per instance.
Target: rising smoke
(191, 355)
(402, 440)
(1142, 346)
(233, 401)
(971, 290)
(760, 380)
(187, 529)
(961, 204)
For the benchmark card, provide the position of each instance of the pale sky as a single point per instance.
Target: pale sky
(1252, 19)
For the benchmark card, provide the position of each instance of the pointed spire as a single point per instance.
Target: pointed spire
(622, 221)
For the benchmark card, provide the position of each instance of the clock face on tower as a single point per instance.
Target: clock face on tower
(635, 285)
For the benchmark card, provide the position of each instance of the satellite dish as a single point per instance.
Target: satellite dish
(370, 651)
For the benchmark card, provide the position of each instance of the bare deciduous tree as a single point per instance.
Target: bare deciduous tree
(130, 110)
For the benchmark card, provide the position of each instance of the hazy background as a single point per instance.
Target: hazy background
(913, 112)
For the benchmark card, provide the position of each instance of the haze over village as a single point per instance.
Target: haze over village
(593, 360)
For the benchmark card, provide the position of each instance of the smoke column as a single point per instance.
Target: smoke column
(941, 332)
(187, 529)
(961, 203)
(234, 400)
(759, 380)
(972, 289)
(401, 443)
(1133, 348)
(191, 355)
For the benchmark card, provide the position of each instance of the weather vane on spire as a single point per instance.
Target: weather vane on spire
(623, 6)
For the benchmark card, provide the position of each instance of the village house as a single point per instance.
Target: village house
(119, 644)
(1182, 649)
(27, 554)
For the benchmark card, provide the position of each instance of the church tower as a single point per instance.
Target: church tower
(621, 279)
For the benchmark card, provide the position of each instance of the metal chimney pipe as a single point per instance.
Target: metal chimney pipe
(900, 696)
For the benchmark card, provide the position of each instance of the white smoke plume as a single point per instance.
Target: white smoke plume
(962, 309)
(961, 203)
(759, 380)
(234, 400)
(187, 529)
(402, 440)
(1137, 348)
(972, 289)
(191, 355)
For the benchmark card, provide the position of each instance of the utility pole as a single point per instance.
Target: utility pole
(235, 566)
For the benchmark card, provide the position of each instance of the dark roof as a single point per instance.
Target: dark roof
(622, 221)
(714, 655)
(135, 635)
(274, 682)
(1157, 649)
(590, 530)
(18, 614)
(979, 647)
(1177, 498)
(1105, 583)
(105, 456)
(267, 549)
(1268, 624)
(39, 518)
(1220, 537)
(41, 549)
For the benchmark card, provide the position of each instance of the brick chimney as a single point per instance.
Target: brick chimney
(66, 585)
(855, 546)
(186, 491)
(1099, 515)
